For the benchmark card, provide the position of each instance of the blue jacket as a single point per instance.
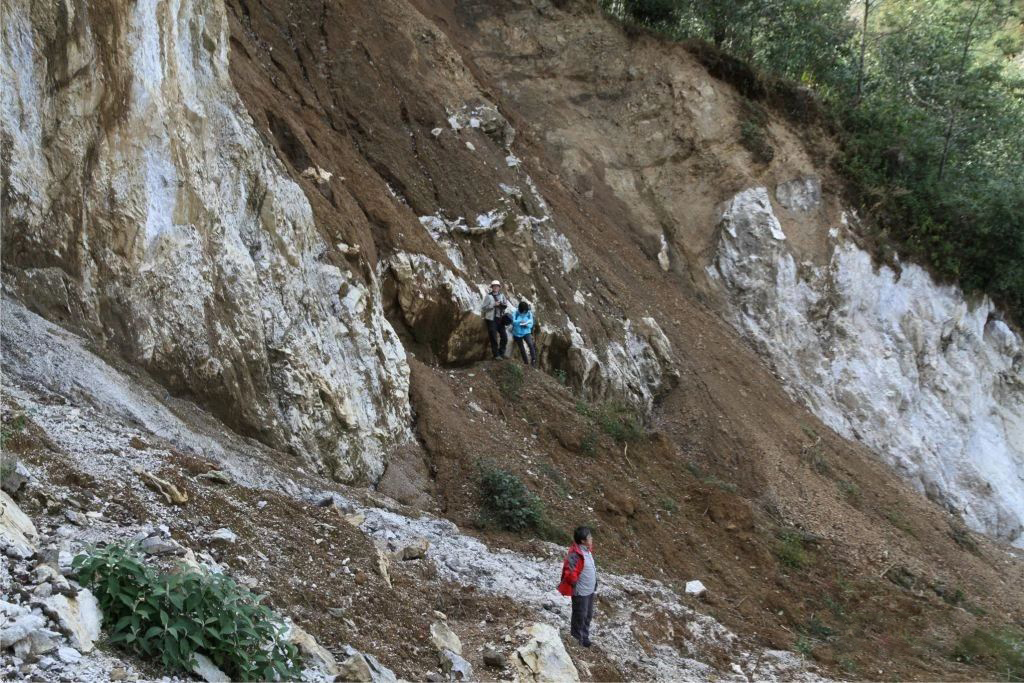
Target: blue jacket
(522, 324)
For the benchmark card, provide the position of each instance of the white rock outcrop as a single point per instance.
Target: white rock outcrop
(148, 211)
(543, 659)
(931, 382)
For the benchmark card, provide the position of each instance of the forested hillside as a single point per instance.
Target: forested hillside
(927, 97)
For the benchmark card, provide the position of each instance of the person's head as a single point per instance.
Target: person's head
(582, 536)
(523, 307)
(495, 286)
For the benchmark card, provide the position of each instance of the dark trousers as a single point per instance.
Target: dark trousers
(496, 331)
(582, 613)
(522, 343)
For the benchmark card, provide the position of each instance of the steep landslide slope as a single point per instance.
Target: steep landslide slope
(284, 212)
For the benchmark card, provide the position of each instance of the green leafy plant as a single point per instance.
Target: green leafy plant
(561, 376)
(588, 444)
(170, 616)
(999, 650)
(11, 428)
(619, 421)
(508, 501)
(510, 380)
(791, 551)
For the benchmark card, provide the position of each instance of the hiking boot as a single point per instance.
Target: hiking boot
(585, 643)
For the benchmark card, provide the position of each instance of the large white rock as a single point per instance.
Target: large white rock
(444, 638)
(363, 668)
(19, 628)
(79, 617)
(208, 671)
(17, 532)
(931, 382)
(543, 658)
(150, 210)
(313, 653)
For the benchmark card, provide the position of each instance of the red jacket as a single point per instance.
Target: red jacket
(571, 575)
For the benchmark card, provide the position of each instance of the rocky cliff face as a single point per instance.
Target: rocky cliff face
(141, 206)
(930, 381)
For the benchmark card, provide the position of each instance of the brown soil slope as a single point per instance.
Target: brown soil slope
(803, 538)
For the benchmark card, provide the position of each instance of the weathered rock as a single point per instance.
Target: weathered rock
(444, 638)
(155, 545)
(362, 668)
(416, 550)
(926, 377)
(313, 653)
(78, 617)
(208, 671)
(493, 658)
(15, 478)
(19, 629)
(800, 194)
(69, 655)
(695, 588)
(229, 299)
(440, 308)
(223, 535)
(543, 657)
(17, 532)
(216, 477)
(455, 667)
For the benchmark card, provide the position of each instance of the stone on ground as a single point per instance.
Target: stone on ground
(543, 659)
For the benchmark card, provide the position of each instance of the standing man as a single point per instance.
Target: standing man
(493, 309)
(579, 580)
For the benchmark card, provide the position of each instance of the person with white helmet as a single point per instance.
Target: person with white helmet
(493, 309)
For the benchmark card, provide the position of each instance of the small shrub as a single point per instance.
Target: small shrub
(588, 444)
(561, 377)
(896, 518)
(791, 551)
(619, 421)
(171, 616)
(668, 504)
(754, 138)
(999, 650)
(815, 628)
(510, 380)
(11, 428)
(582, 408)
(804, 646)
(962, 537)
(508, 501)
(850, 491)
(650, 11)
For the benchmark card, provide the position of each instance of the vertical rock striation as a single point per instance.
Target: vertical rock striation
(141, 206)
(931, 382)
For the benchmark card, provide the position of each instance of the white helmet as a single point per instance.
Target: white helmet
(495, 282)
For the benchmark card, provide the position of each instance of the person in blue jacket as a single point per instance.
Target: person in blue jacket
(522, 333)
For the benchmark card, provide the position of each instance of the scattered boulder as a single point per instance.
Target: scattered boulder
(315, 654)
(15, 479)
(493, 658)
(455, 667)
(543, 658)
(444, 638)
(355, 519)
(78, 617)
(208, 671)
(362, 668)
(800, 194)
(416, 550)
(68, 655)
(155, 545)
(223, 535)
(170, 493)
(20, 628)
(17, 532)
(216, 477)
(696, 588)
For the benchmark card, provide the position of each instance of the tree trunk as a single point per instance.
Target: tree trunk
(863, 49)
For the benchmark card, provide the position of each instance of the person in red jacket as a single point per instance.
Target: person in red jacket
(579, 581)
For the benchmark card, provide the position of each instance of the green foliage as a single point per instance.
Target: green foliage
(508, 501)
(618, 421)
(171, 616)
(999, 650)
(588, 444)
(791, 551)
(11, 428)
(850, 491)
(561, 376)
(927, 98)
(510, 380)
(668, 504)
